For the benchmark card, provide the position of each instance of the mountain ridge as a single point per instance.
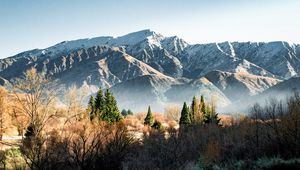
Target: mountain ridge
(108, 61)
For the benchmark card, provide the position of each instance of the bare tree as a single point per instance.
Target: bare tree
(256, 114)
(172, 112)
(36, 98)
(74, 100)
(18, 120)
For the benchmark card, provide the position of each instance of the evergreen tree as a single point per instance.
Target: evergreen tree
(111, 113)
(185, 116)
(149, 119)
(157, 125)
(129, 112)
(211, 117)
(99, 103)
(91, 107)
(203, 107)
(195, 110)
(124, 113)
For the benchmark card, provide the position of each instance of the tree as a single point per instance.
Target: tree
(111, 113)
(129, 112)
(99, 103)
(74, 99)
(212, 119)
(149, 119)
(211, 116)
(124, 113)
(185, 115)
(172, 112)
(203, 107)
(18, 119)
(91, 108)
(36, 98)
(195, 113)
(157, 125)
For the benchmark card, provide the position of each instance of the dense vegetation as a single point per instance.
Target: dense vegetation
(99, 136)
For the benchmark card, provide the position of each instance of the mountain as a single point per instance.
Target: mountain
(148, 67)
(238, 85)
(280, 91)
(184, 90)
(274, 59)
(142, 91)
(284, 88)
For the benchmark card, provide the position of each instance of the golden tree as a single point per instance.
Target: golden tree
(35, 98)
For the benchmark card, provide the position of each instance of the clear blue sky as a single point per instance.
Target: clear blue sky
(29, 24)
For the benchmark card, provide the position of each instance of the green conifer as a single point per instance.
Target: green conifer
(203, 107)
(99, 103)
(157, 125)
(111, 113)
(211, 116)
(194, 110)
(124, 113)
(129, 112)
(91, 107)
(185, 115)
(149, 119)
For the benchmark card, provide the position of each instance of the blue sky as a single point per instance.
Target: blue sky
(29, 24)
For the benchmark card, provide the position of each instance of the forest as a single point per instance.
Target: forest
(50, 134)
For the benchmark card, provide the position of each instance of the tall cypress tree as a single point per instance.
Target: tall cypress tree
(111, 113)
(185, 115)
(99, 103)
(91, 107)
(149, 119)
(194, 110)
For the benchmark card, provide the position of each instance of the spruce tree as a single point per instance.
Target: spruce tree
(149, 119)
(129, 112)
(111, 113)
(211, 117)
(124, 113)
(91, 107)
(215, 119)
(99, 103)
(185, 115)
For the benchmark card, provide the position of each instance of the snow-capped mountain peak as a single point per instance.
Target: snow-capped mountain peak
(137, 37)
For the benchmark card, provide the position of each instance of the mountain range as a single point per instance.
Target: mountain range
(146, 68)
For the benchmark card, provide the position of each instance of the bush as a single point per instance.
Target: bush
(13, 159)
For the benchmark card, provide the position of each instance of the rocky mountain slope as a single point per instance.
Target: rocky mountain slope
(235, 85)
(146, 67)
